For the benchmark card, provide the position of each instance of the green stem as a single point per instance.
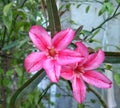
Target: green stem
(103, 103)
(38, 76)
(112, 57)
(4, 35)
(108, 19)
(54, 21)
(44, 92)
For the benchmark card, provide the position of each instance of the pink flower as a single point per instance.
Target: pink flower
(52, 54)
(84, 71)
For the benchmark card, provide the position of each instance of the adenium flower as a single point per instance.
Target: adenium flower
(85, 71)
(53, 53)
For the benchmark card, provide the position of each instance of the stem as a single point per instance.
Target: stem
(24, 90)
(115, 54)
(103, 103)
(67, 94)
(116, 9)
(44, 92)
(108, 19)
(54, 21)
(4, 35)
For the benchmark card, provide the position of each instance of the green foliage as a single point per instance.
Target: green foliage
(117, 78)
(118, 1)
(8, 15)
(108, 66)
(107, 7)
(54, 21)
(87, 9)
(81, 106)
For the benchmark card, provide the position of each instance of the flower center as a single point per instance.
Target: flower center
(79, 70)
(52, 52)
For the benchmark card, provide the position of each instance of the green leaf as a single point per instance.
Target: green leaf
(7, 19)
(81, 106)
(78, 31)
(108, 66)
(72, 22)
(101, 11)
(87, 9)
(54, 21)
(6, 8)
(95, 33)
(5, 81)
(118, 1)
(68, 7)
(58, 95)
(107, 7)
(117, 78)
(86, 32)
(93, 101)
(1, 71)
(27, 88)
(78, 5)
(10, 72)
(11, 45)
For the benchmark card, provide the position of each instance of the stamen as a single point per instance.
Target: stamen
(52, 52)
(79, 70)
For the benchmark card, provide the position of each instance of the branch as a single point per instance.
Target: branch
(98, 96)
(44, 92)
(108, 19)
(112, 57)
(4, 35)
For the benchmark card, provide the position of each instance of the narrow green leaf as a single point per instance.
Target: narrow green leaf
(78, 31)
(87, 9)
(118, 1)
(109, 8)
(101, 11)
(95, 33)
(54, 21)
(78, 5)
(11, 45)
(7, 8)
(68, 6)
(26, 88)
(8, 19)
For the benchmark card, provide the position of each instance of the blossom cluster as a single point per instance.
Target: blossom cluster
(58, 60)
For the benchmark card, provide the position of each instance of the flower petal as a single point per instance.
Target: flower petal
(63, 38)
(40, 37)
(82, 49)
(67, 72)
(94, 60)
(79, 89)
(68, 57)
(97, 79)
(52, 69)
(34, 61)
